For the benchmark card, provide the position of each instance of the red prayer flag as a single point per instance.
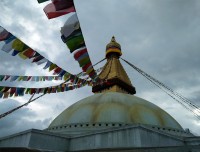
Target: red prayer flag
(33, 90)
(57, 70)
(4, 35)
(86, 66)
(29, 53)
(62, 4)
(79, 53)
(12, 91)
(50, 11)
(92, 74)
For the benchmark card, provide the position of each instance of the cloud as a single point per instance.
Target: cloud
(19, 120)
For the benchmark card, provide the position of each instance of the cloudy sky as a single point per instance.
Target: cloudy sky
(159, 36)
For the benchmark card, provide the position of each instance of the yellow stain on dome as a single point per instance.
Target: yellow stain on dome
(113, 107)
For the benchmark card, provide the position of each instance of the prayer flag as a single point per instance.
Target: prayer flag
(21, 55)
(1, 78)
(6, 89)
(1, 94)
(38, 58)
(25, 78)
(29, 78)
(47, 65)
(20, 78)
(72, 35)
(13, 78)
(33, 90)
(79, 52)
(52, 67)
(70, 25)
(7, 47)
(57, 70)
(84, 61)
(20, 91)
(89, 70)
(67, 76)
(36, 55)
(7, 77)
(12, 91)
(4, 35)
(41, 61)
(86, 66)
(1, 89)
(62, 4)
(29, 53)
(75, 43)
(15, 52)
(10, 39)
(18, 45)
(62, 73)
(83, 56)
(5, 95)
(51, 12)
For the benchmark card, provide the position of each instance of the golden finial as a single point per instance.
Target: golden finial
(113, 39)
(113, 47)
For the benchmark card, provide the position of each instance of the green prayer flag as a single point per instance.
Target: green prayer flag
(1, 78)
(75, 42)
(27, 91)
(84, 61)
(58, 89)
(1, 88)
(45, 90)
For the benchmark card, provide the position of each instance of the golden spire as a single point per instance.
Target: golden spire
(114, 76)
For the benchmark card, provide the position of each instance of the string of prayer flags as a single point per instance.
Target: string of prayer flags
(19, 48)
(29, 78)
(6, 92)
(58, 8)
(72, 36)
(85, 76)
(71, 33)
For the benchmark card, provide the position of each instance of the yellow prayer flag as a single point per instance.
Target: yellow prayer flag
(52, 66)
(20, 78)
(21, 55)
(18, 45)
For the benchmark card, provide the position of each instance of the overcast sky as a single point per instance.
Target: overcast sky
(159, 36)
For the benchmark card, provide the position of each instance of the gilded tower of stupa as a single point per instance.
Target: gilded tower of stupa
(113, 72)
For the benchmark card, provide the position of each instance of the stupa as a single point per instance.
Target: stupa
(113, 119)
